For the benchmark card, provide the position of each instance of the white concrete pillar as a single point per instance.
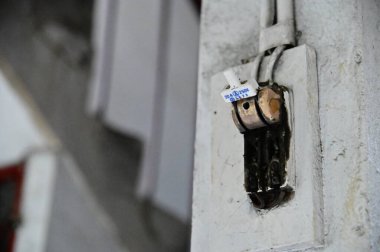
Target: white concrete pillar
(345, 36)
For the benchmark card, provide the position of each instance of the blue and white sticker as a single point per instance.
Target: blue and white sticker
(237, 91)
(241, 92)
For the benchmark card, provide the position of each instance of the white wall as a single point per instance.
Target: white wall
(345, 37)
(176, 158)
(132, 85)
(150, 92)
(25, 137)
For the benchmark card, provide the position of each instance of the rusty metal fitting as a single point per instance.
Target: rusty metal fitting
(270, 103)
(258, 111)
(248, 113)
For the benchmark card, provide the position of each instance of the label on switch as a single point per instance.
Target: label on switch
(241, 92)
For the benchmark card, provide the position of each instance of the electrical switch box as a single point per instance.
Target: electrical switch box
(232, 215)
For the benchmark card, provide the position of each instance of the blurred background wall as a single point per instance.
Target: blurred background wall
(116, 81)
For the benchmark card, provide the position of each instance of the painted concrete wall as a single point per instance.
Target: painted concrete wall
(58, 211)
(345, 35)
(371, 55)
(174, 184)
(132, 84)
(144, 85)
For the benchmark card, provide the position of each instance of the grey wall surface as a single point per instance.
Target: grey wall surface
(150, 91)
(371, 54)
(109, 161)
(345, 35)
(176, 159)
(58, 211)
(133, 81)
(76, 224)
